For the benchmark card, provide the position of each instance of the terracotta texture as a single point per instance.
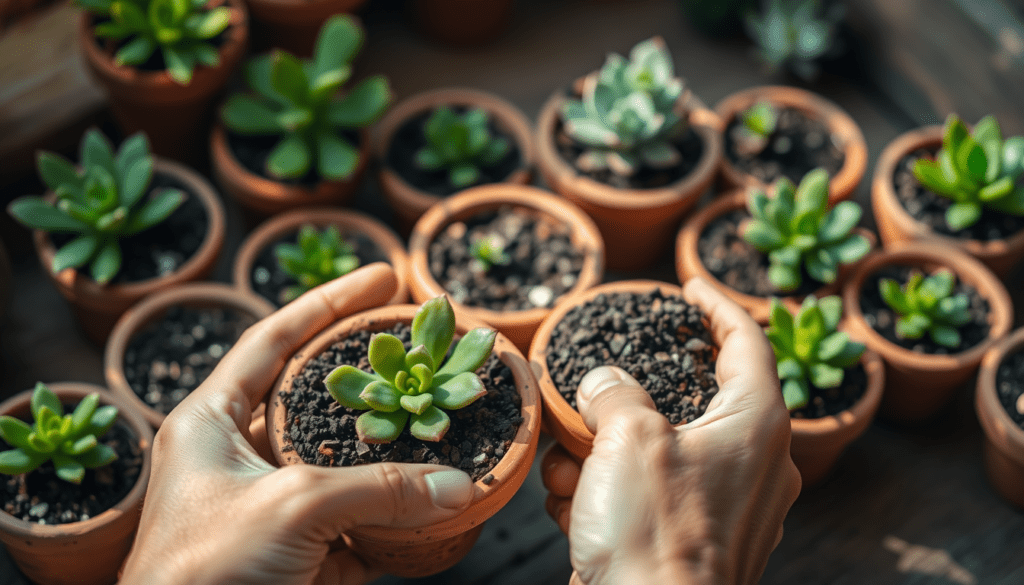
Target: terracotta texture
(851, 139)
(1004, 440)
(98, 307)
(919, 385)
(518, 326)
(293, 25)
(637, 225)
(408, 201)
(152, 308)
(174, 117)
(89, 552)
(462, 23)
(407, 552)
(896, 226)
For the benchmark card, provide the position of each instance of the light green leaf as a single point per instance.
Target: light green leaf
(134, 181)
(14, 431)
(337, 158)
(290, 158)
(380, 427)
(433, 327)
(362, 106)
(135, 52)
(387, 355)
(346, 383)
(55, 170)
(68, 469)
(945, 336)
(157, 209)
(106, 263)
(431, 425)
(250, 115)
(825, 376)
(75, 253)
(381, 396)
(339, 40)
(796, 393)
(470, 352)
(417, 404)
(459, 391)
(17, 461)
(98, 457)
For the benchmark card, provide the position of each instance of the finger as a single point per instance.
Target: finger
(559, 471)
(344, 567)
(575, 579)
(560, 511)
(608, 392)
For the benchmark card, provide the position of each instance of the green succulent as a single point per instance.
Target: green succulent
(414, 386)
(760, 119)
(489, 251)
(102, 201)
(69, 440)
(808, 348)
(297, 100)
(927, 305)
(316, 258)
(460, 145)
(180, 29)
(794, 33)
(798, 231)
(974, 170)
(630, 112)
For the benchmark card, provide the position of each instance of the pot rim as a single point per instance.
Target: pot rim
(847, 425)
(1000, 430)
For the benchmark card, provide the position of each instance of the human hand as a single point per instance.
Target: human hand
(698, 503)
(216, 512)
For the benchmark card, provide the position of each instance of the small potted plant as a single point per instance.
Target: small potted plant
(292, 25)
(293, 141)
(75, 476)
(382, 404)
(752, 246)
(439, 142)
(954, 186)
(632, 148)
(120, 226)
(1000, 404)
(795, 34)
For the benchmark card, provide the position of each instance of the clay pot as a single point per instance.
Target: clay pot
(896, 226)
(841, 125)
(293, 25)
(462, 23)
(89, 552)
(518, 326)
(637, 225)
(1004, 440)
(347, 222)
(174, 117)
(918, 385)
(407, 552)
(410, 202)
(98, 307)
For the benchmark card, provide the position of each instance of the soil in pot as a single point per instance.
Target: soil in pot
(1010, 386)
(322, 432)
(252, 153)
(543, 263)
(660, 340)
(172, 356)
(832, 401)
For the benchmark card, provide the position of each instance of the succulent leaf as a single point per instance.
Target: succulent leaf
(346, 383)
(374, 426)
(431, 425)
(927, 305)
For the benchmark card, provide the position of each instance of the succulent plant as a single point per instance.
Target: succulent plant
(102, 202)
(794, 33)
(798, 231)
(316, 258)
(180, 29)
(460, 145)
(69, 440)
(808, 348)
(630, 112)
(297, 99)
(974, 170)
(760, 119)
(413, 386)
(927, 305)
(489, 251)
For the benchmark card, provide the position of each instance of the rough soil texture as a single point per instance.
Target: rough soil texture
(798, 146)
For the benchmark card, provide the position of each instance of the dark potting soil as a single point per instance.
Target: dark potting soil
(253, 151)
(930, 208)
(410, 138)
(661, 341)
(268, 280)
(1010, 386)
(883, 319)
(727, 256)
(323, 432)
(41, 497)
(831, 401)
(172, 356)
(799, 145)
(543, 265)
(163, 248)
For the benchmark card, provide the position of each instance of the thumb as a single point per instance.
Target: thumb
(608, 391)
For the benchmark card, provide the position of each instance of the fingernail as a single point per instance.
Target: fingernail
(598, 380)
(449, 489)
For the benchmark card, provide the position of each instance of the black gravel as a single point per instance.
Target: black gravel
(832, 401)
(799, 145)
(1010, 386)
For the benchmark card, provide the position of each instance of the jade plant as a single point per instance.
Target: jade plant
(414, 386)
(182, 30)
(316, 258)
(794, 33)
(69, 440)
(799, 232)
(630, 113)
(809, 351)
(460, 145)
(927, 305)
(101, 201)
(297, 99)
(489, 251)
(975, 170)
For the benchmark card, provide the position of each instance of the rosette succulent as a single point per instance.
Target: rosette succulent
(927, 305)
(316, 258)
(489, 251)
(460, 145)
(794, 33)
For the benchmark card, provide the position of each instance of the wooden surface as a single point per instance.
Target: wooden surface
(904, 506)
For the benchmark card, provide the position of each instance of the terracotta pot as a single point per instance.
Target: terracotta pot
(173, 116)
(519, 326)
(689, 264)
(98, 307)
(408, 201)
(408, 552)
(841, 125)
(637, 225)
(462, 23)
(918, 385)
(1004, 440)
(153, 308)
(293, 25)
(89, 552)
(896, 226)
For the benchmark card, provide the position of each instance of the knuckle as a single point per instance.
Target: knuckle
(396, 490)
